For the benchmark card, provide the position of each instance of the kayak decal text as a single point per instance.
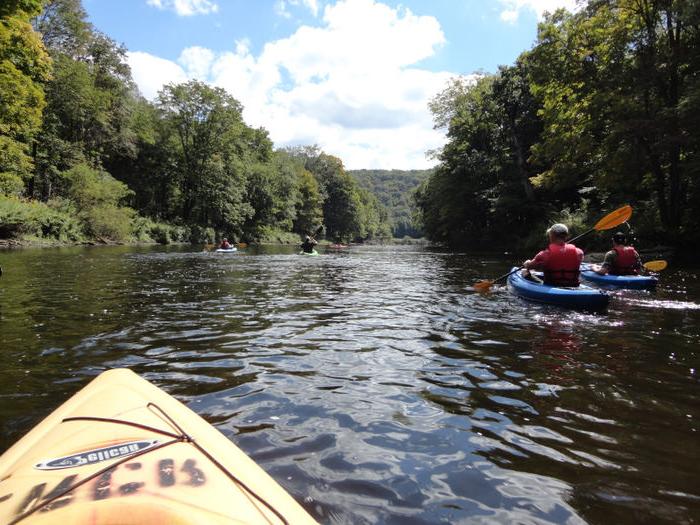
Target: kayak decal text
(120, 481)
(97, 455)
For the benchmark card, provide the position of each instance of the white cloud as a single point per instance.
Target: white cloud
(186, 7)
(151, 73)
(513, 8)
(197, 61)
(282, 7)
(350, 84)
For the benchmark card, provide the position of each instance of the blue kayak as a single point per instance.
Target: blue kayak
(631, 282)
(582, 297)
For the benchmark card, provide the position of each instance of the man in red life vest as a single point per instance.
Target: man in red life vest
(622, 259)
(560, 262)
(225, 245)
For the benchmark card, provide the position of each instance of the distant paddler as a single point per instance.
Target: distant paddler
(623, 259)
(309, 244)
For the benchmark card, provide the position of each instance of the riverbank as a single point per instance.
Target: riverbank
(289, 239)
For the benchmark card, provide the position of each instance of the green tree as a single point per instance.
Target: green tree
(394, 190)
(222, 162)
(98, 198)
(24, 67)
(618, 84)
(481, 189)
(309, 205)
(90, 99)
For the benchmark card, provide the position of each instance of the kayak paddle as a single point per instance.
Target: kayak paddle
(655, 266)
(611, 220)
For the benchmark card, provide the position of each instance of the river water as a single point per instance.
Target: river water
(373, 384)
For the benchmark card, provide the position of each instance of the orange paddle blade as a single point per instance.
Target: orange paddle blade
(655, 266)
(483, 286)
(615, 218)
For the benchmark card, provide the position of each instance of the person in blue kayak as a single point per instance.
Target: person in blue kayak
(560, 261)
(225, 245)
(309, 244)
(622, 259)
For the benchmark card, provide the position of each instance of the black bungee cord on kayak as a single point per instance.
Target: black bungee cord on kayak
(180, 437)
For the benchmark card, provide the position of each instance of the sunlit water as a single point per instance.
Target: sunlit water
(373, 383)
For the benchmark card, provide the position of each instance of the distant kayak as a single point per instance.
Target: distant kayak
(226, 250)
(122, 451)
(308, 253)
(630, 282)
(582, 297)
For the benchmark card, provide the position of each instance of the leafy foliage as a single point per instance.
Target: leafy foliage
(97, 197)
(24, 66)
(19, 217)
(350, 213)
(600, 112)
(394, 189)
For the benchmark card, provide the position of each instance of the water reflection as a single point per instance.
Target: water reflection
(372, 383)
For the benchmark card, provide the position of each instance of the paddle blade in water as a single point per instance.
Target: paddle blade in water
(483, 286)
(655, 266)
(615, 218)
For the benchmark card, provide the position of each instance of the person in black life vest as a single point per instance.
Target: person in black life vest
(225, 245)
(560, 261)
(622, 259)
(308, 245)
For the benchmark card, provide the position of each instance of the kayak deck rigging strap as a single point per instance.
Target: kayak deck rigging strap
(180, 437)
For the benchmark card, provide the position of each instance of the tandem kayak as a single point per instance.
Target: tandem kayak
(582, 297)
(122, 451)
(226, 250)
(308, 253)
(631, 282)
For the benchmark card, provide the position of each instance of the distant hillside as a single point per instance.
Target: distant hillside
(394, 189)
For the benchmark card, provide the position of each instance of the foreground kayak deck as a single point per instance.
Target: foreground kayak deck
(630, 282)
(583, 297)
(122, 451)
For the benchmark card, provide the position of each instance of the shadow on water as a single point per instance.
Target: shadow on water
(372, 383)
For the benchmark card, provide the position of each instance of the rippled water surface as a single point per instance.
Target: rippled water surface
(373, 384)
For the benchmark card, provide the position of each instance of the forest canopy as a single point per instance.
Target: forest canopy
(84, 156)
(602, 111)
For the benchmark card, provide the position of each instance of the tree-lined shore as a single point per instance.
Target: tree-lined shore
(83, 156)
(602, 111)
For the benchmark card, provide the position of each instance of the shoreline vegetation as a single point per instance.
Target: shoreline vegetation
(601, 112)
(8, 244)
(85, 159)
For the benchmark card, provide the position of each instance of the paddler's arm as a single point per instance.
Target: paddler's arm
(538, 263)
(604, 268)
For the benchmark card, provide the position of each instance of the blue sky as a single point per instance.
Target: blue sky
(353, 76)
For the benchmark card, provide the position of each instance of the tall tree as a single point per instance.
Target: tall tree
(24, 67)
(217, 153)
(617, 84)
(90, 98)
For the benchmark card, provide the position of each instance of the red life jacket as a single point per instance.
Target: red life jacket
(625, 262)
(562, 265)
